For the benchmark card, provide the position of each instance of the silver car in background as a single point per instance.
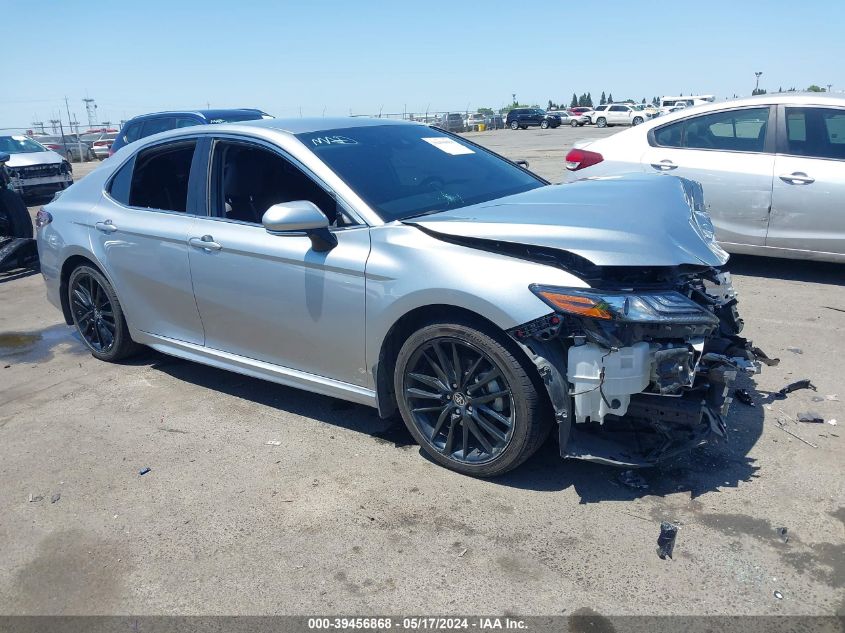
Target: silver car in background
(772, 168)
(406, 268)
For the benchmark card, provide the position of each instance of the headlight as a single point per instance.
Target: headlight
(634, 307)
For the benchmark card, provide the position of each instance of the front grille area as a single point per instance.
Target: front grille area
(38, 171)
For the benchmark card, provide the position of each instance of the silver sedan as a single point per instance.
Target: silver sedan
(405, 268)
(772, 168)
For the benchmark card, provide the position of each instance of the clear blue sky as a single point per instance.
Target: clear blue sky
(362, 56)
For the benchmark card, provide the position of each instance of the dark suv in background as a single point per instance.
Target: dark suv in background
(149, 124)
(521, 118)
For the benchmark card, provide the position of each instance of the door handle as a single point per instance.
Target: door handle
(797, 178)
(206, 243)
(105, 227)
(664, 165)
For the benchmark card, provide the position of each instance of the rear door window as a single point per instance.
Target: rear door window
(815, 132)
(160, 177)
(732, 130)
(132, 132)
(158, 124)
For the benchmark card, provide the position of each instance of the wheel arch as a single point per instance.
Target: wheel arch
(413, 320)
(70, 264)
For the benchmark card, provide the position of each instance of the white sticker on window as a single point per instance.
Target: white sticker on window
(448, 145)
(19, 138)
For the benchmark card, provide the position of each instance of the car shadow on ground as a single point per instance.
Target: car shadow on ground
(787, 269)
(704, 469)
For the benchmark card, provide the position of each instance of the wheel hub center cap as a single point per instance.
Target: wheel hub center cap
(459, 399)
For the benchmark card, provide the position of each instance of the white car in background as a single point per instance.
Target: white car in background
(772, 168)
(618, 114)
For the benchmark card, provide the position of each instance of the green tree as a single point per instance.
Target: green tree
(655, 102)
(815, 88)
(574, 103)
(589, 100)
(603, 99)
(486, 111)
(758, 91)
(610, 97)
(643, 101)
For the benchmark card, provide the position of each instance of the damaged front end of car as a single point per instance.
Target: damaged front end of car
(638, 375)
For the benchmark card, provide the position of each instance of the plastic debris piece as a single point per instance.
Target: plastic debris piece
(763, 358)
(666, 540)
(783, 533)
(35, 498)
(144, 470)
(273, 442)
(795, 350)
(832, 422)
(633, 480)
(810, 416)
(795, 386)
(461, 555)
(778, 595)
(55, 497)
(744, 397)
(797, 437)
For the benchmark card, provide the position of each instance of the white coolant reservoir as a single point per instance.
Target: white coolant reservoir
(626, 371)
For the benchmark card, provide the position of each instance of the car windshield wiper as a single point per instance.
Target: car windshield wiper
(424, 213)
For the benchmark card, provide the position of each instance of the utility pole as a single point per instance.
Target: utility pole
(757, 85)
(70, 123)
(828, 87)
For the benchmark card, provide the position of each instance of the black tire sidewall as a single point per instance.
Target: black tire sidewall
(525, 401)
(544, 124)
(123, 344)
(13, 206)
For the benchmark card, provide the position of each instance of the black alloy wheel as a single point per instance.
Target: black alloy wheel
(468, 400)
(98, 315)
(93, 313)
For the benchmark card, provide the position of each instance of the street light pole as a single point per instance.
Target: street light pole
(757, 85)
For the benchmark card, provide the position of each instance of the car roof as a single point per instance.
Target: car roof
(315, 124)
(207, 114)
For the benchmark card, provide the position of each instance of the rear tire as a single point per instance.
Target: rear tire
(544, 124)
(14, 216)
(573, 123)
(489, 406)
(98, 315)
(637, 120)
(601, 122)
(514, 125)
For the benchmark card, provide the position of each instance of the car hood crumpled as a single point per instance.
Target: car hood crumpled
(631, 220)
(33, 158)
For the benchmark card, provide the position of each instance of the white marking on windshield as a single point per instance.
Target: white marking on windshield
(319, 141)
(448, 145)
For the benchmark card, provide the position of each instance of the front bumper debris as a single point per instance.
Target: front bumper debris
(633, 394)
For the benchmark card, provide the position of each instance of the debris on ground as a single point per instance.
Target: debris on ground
(55, 497)
(666, 540)
(811, 417)
(778, 595)
(795, 386)
(795, 350)
(273, 442)
(144, 470)
(35, 498)
(783, 533)
(832, 422)
(744, 397)
(633, 480)
(763, 358)
(461, 555)
(796, 436)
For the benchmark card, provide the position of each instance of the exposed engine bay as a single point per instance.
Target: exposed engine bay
(638, 374)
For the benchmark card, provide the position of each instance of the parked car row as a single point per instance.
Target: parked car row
(772, 168)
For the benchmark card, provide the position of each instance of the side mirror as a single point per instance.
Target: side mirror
(4, 157)
(298, 217)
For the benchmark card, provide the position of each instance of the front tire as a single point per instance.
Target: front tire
(514, 125)
(98, 315)
(544, 125)
(468, 400)
(601, 122)
(637, 120)
(573, 123)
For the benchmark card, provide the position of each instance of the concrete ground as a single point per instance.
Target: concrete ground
(347, 517)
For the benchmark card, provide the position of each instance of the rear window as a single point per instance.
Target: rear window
(157, 178)
(731, 130)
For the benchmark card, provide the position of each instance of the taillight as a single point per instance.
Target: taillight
(42, 218)
(580, 158)
(100, 143)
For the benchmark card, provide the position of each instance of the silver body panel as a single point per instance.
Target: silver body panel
(270, 306)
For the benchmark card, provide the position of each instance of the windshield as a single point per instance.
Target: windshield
(19, 145)
(407, 170)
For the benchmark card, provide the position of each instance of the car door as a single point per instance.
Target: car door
(272, 297)
(808, 190)
(139, 234)
(731, 153)
(617, 115)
